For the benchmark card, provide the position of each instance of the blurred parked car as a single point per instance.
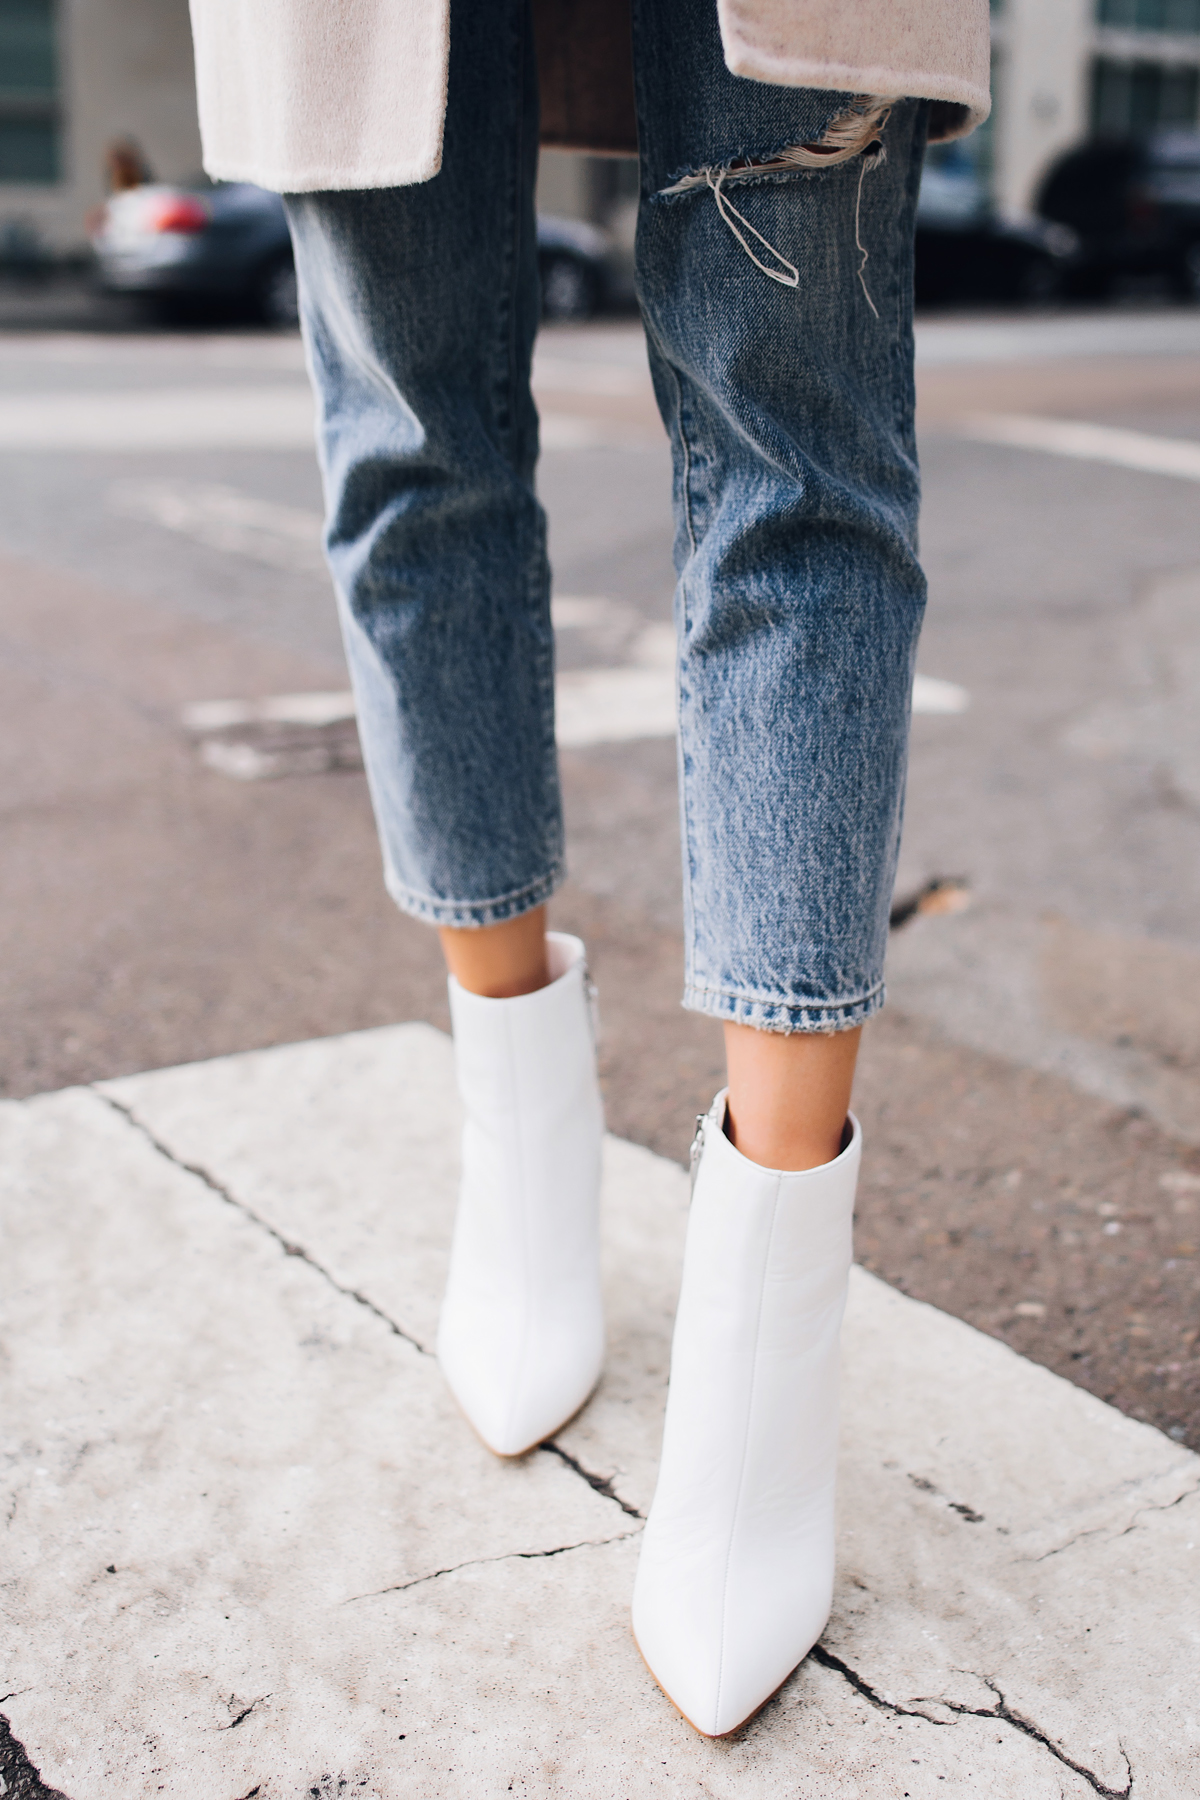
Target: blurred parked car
(1134, 205)
(199, 248)
(966, 251)
(584, 269)
(571, 263)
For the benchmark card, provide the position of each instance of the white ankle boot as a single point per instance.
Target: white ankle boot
(735, 1579)
(521, 1337)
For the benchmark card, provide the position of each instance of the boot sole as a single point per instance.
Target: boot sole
(713, 1737)
(516, 1455)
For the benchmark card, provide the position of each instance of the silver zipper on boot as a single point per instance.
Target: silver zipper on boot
(697, 1150)
(592, 996)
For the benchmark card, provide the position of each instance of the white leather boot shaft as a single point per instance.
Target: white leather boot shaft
(521, 1337)
(735, 1578)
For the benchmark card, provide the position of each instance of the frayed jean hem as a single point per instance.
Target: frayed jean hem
(784, 1016)
(473, 914)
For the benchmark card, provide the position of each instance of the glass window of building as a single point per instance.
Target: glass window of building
(1129, 98)
(1181, 16)
(29, 101)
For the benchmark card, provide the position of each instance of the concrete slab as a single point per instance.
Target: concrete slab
(350, 1147)
(252, 1550)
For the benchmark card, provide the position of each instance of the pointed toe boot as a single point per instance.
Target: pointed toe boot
(735, 1576)
(521, 1335)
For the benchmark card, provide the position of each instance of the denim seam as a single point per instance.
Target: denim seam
(730, 1003)
(897, 350)
(737, 993)
(476, 912)
(784, 1021)
(538, 593)
(685, 475)
(685, 480)
(905, 423)
(506, 307)
(536, 596)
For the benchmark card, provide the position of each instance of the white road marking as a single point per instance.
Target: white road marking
(143, 350)
(583, 612)
(279, 417)
(930, 695)
(251, 762)
(949, 341)
(571, 375)
(562, 431)
(312, 710)
(1179, 457)
(592, 707)
(225, 518)
(571, 431)
(613, 706)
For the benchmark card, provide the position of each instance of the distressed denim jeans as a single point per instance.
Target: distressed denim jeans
(775, 287)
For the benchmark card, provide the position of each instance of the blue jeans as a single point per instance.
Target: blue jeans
(777, 308)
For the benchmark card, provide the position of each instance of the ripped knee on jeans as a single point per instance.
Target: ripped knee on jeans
(857, 132)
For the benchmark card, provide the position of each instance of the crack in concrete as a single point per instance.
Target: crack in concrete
(245, 1712)
(956, 1506)
(1151, 1506)
(475, 1562)
(601, 1484)
(286, 1245)
(21, 1779)
(1001, 1711)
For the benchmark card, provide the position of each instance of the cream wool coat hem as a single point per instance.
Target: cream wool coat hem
(304, 95)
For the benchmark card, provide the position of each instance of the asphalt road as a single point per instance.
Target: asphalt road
(1031, 1097)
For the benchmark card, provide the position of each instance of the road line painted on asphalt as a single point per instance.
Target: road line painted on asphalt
(145, 350)
(575, 375)
(592, 706)
(571, 431)
(1178, 457)
(932, 695)
(313, 710)
(283, 537)
(613, 706)
(279, 417)
(576, 612)
(225, 518)
(947, 342)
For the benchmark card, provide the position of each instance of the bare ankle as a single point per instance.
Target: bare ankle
(501, 961)
(788, 1095)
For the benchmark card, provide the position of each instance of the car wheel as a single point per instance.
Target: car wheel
(278, 295)
(570, 289)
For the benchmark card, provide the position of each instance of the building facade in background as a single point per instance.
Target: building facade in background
(77, 76)
(1066, 69)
